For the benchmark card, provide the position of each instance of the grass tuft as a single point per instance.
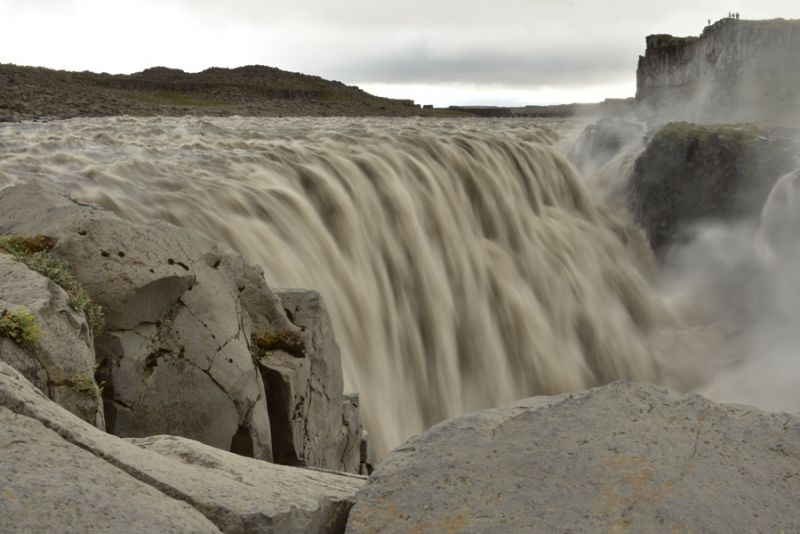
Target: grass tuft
(20, 326)
(33, 251)
(84, 384)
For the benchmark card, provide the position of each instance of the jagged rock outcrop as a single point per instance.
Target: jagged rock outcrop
(175, 354)
(59, 472)
(624, 457)
(690, 173)
(61, 360)
(185, 320)
(313, 423)
(736, 70)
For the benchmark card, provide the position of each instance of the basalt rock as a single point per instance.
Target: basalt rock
(58, 472)
(736, 70)
(175, 355)
(60, 361)
(313, 423)
(691, 173)
(620, 458)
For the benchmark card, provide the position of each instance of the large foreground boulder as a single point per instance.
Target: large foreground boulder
(691, 173)
(624, 457)
(57, 471)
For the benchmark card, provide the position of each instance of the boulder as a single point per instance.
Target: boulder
(63, 471)
(61, 360)
(619, 458)
(313, 423)
(691, 173)
(175, 354)
(51, 484)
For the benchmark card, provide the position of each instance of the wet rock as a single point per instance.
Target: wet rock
(160, 480)
(314, 424)
(624, 457)
(691, 173)
(176, 351)
(61, 360)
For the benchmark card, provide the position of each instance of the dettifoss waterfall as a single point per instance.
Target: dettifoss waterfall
(465, 264)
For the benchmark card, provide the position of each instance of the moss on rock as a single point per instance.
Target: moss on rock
(20, 326)
(33, 251)
(84, 384)
(691, 172)
(282, 340)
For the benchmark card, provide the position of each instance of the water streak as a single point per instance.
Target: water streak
(465, 265)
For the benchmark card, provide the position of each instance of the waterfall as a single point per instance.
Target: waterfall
(465, 264)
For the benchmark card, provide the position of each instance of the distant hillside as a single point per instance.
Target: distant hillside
(735, 70)
(33, 92)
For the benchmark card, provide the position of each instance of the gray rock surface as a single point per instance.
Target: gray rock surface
(61, 363)
(620, 458)
(176, 351)
(234, 493)
(49, 484)
(295, 499)
(314, 424)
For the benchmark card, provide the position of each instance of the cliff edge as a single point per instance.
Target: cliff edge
(736, 70)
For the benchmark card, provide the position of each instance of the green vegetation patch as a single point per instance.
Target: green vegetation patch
(33, 251)
(84, 384)
(735, 134)
(170, 98)
(284, 340)
(20, 326)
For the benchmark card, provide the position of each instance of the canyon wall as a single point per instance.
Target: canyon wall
(735, 70)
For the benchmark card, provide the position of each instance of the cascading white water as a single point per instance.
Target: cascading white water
(464, 264)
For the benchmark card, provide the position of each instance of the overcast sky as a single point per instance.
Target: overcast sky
(505, 52)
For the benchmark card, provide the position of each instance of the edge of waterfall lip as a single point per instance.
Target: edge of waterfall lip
(267, 189)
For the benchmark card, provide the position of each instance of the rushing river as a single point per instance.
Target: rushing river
(465, 264)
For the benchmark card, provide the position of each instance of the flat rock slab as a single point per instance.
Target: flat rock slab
(621, 458)
(50, 485)
(51, 459)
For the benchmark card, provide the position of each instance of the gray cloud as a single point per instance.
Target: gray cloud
(516, 44)
(519, 68)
